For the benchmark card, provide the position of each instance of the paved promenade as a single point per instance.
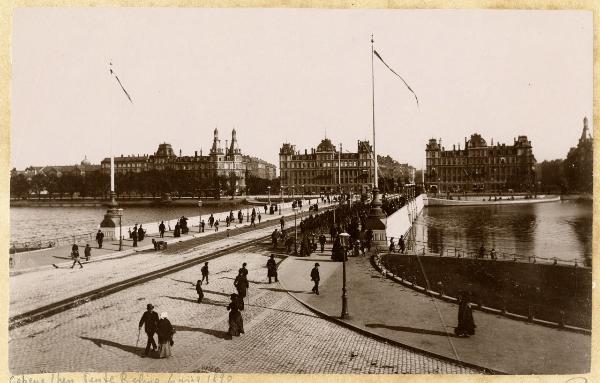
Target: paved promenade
(43, 285)
(395, 312)
(281, 335)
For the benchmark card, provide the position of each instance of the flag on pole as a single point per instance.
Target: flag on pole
(405, 83)
(121, 85)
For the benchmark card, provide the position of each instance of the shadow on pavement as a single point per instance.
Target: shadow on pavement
(103, 342)
(183, 299)
(216, 292)
(411, 329)
(281, 290)
(285, 311)
(216, 333)
(179, 280)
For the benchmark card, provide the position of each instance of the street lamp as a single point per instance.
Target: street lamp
(269, 190)
(295, 233)
(344, 239)
(199, 216)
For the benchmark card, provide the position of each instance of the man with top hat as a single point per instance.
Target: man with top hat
(150, 322)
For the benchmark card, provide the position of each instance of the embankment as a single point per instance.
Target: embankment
(548, 292)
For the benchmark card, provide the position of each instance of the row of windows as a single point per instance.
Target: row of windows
(303, 165)
(464, 161)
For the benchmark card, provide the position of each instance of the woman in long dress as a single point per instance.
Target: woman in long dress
(236, 323)
(466, 324)
(165, 336)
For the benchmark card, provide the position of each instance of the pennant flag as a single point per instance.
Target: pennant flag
(121, 85)
(405, 83)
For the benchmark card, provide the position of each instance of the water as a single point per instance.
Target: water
(553, 229)
(46, 223)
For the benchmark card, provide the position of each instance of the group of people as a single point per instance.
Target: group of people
(137, 234)
(160, 325)
(87, 251)
(401, 245)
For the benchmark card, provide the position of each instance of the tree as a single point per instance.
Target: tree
(38, 184)
(578, 167)
(19, 186)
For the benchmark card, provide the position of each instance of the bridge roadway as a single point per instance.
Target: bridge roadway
(281, 334)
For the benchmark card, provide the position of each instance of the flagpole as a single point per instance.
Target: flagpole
(376, 181)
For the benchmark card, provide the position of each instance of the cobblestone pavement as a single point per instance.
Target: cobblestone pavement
(281, 334)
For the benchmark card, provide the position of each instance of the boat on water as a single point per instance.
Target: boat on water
(433, 201)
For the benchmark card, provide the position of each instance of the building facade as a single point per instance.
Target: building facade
(220, 161)
(259, 168)
(480, 167)
(318, 172)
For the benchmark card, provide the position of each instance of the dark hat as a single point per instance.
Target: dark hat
(244, 264)
(149, 306)
(316, 264)
(272, 255)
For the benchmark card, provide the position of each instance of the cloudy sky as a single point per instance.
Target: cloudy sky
(294, 76)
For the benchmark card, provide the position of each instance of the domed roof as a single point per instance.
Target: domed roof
(326, 146)
(85, 161)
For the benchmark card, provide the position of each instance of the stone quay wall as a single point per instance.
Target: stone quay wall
(400, 222)
(553, 293)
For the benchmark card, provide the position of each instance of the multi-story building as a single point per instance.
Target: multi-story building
(219, 162)
(479, 167)
(259, 168)
(58, 171)
(319, 171)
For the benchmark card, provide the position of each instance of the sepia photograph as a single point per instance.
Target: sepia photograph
(299, 191)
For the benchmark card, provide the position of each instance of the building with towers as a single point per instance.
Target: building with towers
(480, 167)
(318, 172)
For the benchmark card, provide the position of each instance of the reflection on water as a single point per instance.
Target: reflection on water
(39, 223)
(555, 229)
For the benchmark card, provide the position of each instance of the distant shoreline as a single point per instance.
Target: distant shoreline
(124, 202)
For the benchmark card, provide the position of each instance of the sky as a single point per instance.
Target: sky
(294, 75)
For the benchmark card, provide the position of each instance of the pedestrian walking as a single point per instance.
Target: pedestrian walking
(211, 220)
(99, 238)
(322, 241)
(401, 244)
(202, 224)
(177, 231)
(75, 256)
(134, 235)
(259, 217)
(243, 269)
(236, 322)
(165, 333)
(141, 233)
(240, 216)
(241, 285)
(274, 236)
(466, 324)
(161, 229)
(87, 252)
(282, 223)
(150, 322)
(252, 221)
(265, 208)
(217, 225)
(199, 291)
(272, 268)
(315, 277)
(204, 271)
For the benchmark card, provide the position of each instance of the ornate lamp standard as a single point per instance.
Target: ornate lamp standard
(199, 216)
(295, 209)
(269, 191)
(344, 238)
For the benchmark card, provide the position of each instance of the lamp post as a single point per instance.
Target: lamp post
(281, 197)
(295, 233)
(344, 237)
(269, 191)
(199, 216)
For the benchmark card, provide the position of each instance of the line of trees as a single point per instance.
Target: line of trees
(571, 175)
(149, 183)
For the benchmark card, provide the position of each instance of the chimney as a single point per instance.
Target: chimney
(453, 147)
(195, 153)
(179, 152)
(305, 152)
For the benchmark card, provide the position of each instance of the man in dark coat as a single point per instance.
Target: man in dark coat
(272, 268)
(243, 270)
(241, 284)
(99, 238)
(141, 233)
(150, 322)
(322, 241)
(87, 252)
(401, 244)
(274, 236)
(282, 223)
(134, 235)
(315, 277)
(161, 229)
(204, 271)
(240, 216)
(211, 220)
